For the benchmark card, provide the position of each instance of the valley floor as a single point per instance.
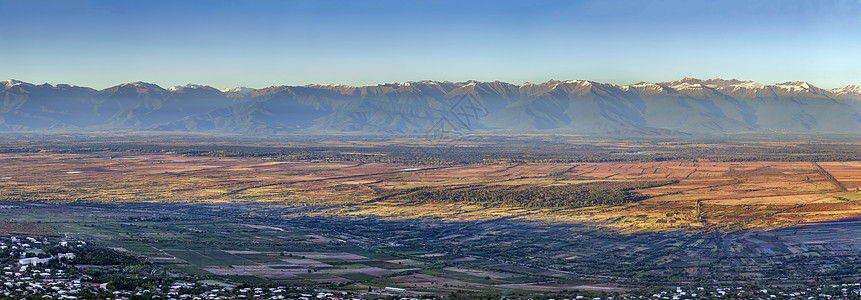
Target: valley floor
(299, 219)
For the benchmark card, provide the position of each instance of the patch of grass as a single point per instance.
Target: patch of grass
(360, 277)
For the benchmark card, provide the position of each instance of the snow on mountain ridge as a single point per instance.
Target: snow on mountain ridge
(187, 86)
(749, 85)
(12, 82)
(328, 85)
(848, 92)
(239, 89)
(643, 86)
(847, 89)
(687, 86)
(794, 85)
(141, 85)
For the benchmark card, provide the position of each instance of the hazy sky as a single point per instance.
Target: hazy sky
(261, 43)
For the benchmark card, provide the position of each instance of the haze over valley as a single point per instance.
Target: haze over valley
(687, 106)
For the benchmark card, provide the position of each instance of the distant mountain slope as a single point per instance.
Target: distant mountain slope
(27, 106)
(688, 105)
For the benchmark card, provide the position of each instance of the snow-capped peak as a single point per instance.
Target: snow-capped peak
(12, 82)
(141, 85)
(329, 85)
(187, 86)
(689, 80)
(578, 82)
(645, 85)
(687, 85)
(794, 85)
(396, 84)
(239, 89)
(748, 85)
(63, 85)
(847, 89)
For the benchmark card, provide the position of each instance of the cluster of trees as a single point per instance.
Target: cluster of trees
(604, 193)
(121, 270)
(101, 256)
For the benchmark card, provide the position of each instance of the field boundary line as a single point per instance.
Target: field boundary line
(830, 177)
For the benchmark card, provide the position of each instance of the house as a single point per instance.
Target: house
(33, 261)
(394, 289)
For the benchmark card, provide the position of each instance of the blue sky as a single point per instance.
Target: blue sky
(258, 43)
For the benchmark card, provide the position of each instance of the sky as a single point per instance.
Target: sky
(259, 43)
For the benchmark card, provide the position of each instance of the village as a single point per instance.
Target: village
(32, 270)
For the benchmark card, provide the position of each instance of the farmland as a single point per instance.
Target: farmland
(437, 257)
(602, 215)
(691, 195)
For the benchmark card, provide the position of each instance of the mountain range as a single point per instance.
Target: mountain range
(687, 106)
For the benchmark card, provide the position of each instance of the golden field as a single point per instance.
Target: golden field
(707, 196)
